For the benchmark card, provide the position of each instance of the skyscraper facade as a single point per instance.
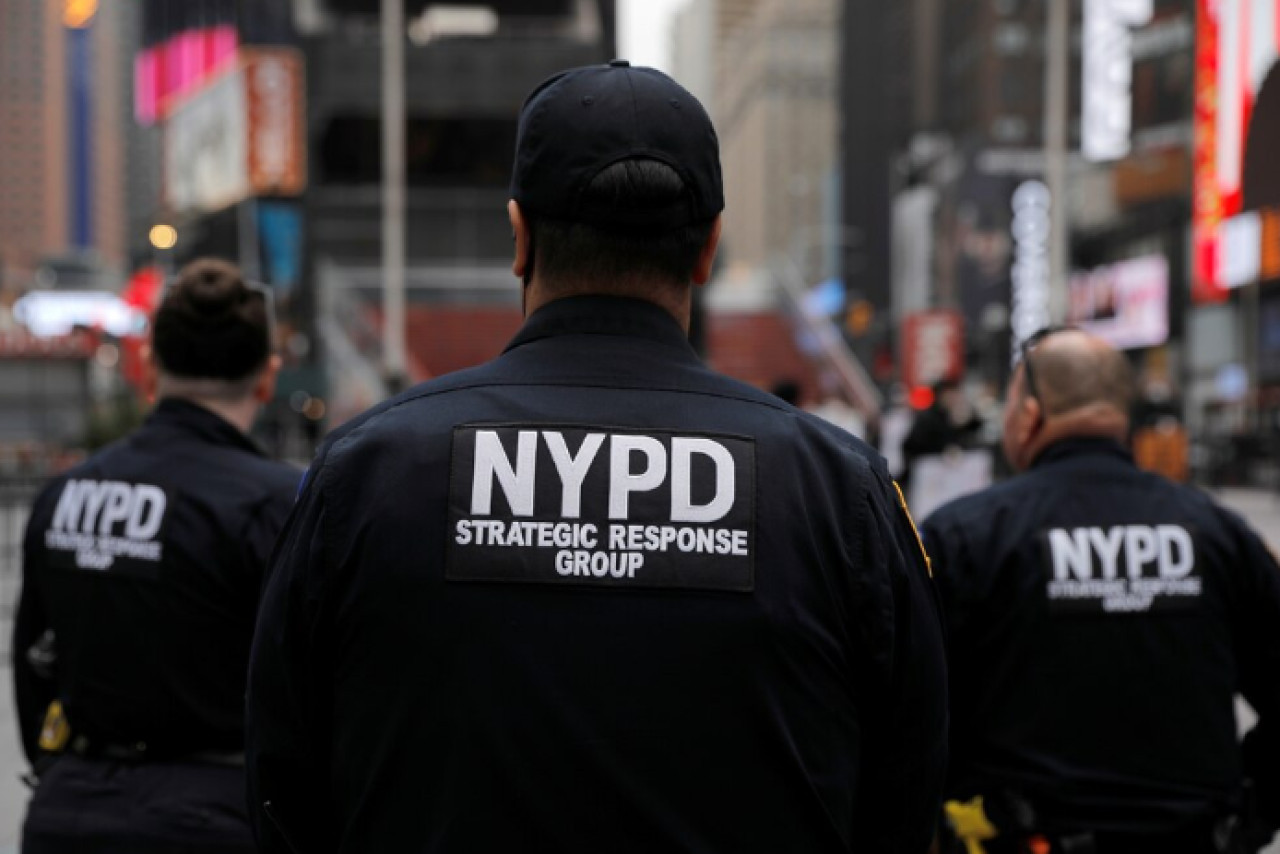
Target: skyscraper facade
(64, 93)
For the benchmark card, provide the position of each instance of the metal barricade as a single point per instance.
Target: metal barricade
(16, 494)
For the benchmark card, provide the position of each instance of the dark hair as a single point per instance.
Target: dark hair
(580, 253)
(211, 324)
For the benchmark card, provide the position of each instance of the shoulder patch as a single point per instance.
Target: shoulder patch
(602, 506)
(902, 502)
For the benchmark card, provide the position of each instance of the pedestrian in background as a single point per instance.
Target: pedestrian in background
(593, 596)
(1102, 620)
(948, 423)
(142, 569)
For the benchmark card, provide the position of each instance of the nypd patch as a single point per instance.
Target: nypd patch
(1122, 569)
(562, 504)
(108, 526)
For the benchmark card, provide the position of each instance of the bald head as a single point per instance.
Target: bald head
(1074, 370)
(1083, 387)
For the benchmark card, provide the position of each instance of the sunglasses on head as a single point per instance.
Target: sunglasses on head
(1030, 343)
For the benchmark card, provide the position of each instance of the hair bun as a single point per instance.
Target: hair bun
(210, 324)
(212, 290)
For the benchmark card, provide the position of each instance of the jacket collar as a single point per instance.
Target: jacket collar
(1083, 446)
(189, 417)
(603, 315)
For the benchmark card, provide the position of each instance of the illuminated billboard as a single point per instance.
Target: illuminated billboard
(1125, 304)
(242, 135)
(1237, 44)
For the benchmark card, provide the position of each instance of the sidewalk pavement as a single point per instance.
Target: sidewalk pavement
(1259, 506)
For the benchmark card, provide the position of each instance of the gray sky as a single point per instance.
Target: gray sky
(643, 31)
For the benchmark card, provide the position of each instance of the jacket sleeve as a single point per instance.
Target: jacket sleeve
(1257, 627)
(33, 691)
(262, 529)
(287, 744)
(906, 735)
(961, 593)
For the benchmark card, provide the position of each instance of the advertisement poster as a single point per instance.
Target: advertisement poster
(1125, 304)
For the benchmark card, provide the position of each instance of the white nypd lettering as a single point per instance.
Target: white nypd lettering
(572, 470)
(100, 521)
(544, 503)
(623, 481)
(636, 464)
(682, 507)
(1124, 568)
(492, 463)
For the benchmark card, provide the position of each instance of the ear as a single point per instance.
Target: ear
(707, 257)
(1030, 423)
(264, 390)
(520, 229)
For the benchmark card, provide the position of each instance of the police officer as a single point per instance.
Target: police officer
(592, 596)
(142, 570)
(1101, 620)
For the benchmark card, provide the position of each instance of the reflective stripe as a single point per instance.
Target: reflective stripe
(902, 502)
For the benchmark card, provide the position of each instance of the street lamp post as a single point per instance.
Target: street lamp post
(393, 194)
(1057, 63)
(435, 23)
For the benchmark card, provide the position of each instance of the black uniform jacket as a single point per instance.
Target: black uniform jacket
(147, 561)
(591, 597)
(1101, 620)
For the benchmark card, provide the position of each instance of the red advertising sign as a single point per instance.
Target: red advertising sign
(241, 135)
(275, 94)
(932, 347)
(1237, 42)
(1207, 203)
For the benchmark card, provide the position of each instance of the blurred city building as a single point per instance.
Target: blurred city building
(885, 169)
(775, 108)
(702, 32)
(1173, 245)
(65, 128)
(72, 181)
(768, 71)
(273, 158)
(463, 95)
(1234, 331)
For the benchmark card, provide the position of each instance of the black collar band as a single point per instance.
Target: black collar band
(194, 418)
(1082, 445)
(603, 315)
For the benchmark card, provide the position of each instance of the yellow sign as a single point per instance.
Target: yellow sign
(76, 14)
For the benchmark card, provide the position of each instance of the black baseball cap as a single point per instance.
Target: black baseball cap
(581, 121)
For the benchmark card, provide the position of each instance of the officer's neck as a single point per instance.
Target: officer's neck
(240, 411)
(674, 299)
(1092, 421)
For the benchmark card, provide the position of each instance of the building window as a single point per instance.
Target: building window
(1009, 129)
(1011, 39)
